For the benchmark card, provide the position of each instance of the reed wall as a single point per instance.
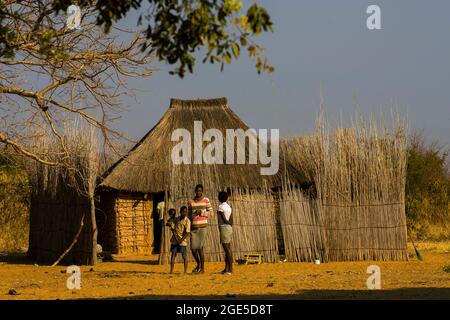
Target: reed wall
(54, 223)
(358, 211)
(62, 209)
(254, 214)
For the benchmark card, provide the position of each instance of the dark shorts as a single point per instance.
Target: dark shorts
(176, 248)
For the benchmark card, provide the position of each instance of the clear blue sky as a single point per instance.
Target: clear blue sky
(324, 47)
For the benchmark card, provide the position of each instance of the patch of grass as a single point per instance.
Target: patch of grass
(14, 211)
(429, 246)
(446, 269)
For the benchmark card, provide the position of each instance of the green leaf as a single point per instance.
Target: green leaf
(236, 50)
(227, 57)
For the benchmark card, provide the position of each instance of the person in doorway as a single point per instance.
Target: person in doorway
(180, 227)
(158, 225)
(225, 218)
(199, 211)
(160, 210)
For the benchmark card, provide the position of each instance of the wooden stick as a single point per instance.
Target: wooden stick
(74, 241)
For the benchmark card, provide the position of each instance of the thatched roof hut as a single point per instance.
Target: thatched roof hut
(355, 212)
(147, 167)
(132, 187)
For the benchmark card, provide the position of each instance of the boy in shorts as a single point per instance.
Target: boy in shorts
(181, 228)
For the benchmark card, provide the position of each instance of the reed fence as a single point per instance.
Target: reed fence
(62, 210)
(358, 209)
(254, 227)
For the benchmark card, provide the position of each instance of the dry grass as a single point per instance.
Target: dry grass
(14, 209)
(438, 247)
(359, 208)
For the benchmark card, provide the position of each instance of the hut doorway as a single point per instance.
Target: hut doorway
(158, 221)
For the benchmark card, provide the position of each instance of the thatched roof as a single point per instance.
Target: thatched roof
(147, 167)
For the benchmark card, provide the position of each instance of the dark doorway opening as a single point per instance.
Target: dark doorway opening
(157, 222)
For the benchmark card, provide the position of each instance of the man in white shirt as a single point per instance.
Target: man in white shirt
(225, 218)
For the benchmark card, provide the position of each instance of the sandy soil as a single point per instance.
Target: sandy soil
(140, 278)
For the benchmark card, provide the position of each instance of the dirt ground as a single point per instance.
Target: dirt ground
(140, 278)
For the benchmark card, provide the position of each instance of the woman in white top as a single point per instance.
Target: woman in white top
(225, 218)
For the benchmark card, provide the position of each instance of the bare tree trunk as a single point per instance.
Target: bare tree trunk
(94, 231)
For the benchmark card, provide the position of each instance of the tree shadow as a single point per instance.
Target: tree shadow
(16, 258)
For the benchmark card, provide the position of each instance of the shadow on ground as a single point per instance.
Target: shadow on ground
(15, 258)
(143, 262)
(394, 294)
(21, 258)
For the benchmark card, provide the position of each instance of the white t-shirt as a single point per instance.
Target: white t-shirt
(226, 209)
(160, 208)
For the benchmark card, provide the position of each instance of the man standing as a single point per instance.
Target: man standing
(225, 218)
(199, 211)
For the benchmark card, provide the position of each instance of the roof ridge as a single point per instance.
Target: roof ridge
(198, 103)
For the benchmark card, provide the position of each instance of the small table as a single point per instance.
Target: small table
(253, 258)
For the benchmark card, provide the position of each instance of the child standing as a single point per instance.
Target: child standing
(181, 228)
(225, 217)
(171, 222)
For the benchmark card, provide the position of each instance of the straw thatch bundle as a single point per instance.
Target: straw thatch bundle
(359, 176)
(62, 213)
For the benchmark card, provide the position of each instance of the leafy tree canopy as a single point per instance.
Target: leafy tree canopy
(174, 29)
